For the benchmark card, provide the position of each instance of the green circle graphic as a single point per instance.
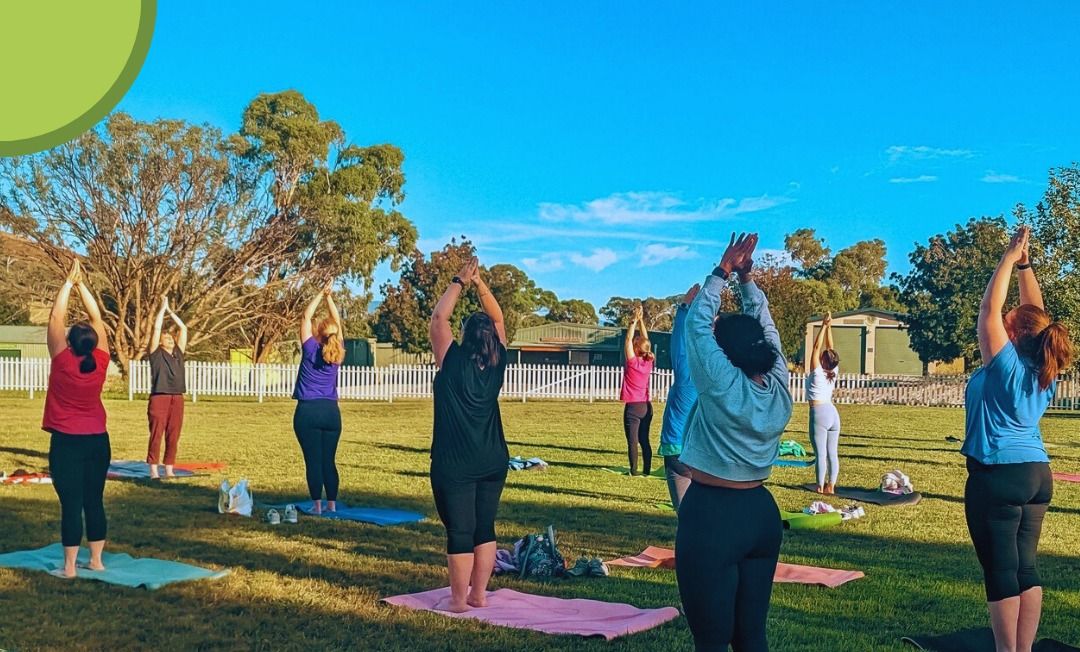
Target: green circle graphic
(67, 64)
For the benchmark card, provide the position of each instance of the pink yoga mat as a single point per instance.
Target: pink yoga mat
(510, 608)
(1067, 477)
(653, 557)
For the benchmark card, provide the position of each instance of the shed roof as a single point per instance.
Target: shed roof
(23, 334)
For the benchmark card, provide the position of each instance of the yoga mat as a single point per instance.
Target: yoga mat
(665, 507)
(798, 462)
(1067, 477)
(653, 557)
(120, 568)
(657, 473)
(802, 521)
(131, 470)
(375, 515)
(870, 495)
(980, 639)
(509, 608)
(27, 478)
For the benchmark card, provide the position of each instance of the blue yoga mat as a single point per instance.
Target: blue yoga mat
(793, 461)
(129, 470)
(120, 568)
(374, 515)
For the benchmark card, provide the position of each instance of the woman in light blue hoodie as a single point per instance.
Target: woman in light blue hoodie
(725, 573)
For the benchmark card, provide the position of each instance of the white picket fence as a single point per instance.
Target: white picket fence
(523, 382)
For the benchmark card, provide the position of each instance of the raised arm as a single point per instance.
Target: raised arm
(439, 329)
(641, 323)
(93, 312)
(820, 341)
(490, 304)
(678, 329)
(56, 333)
(628, 345)
(182, 342)
(333, 310)
(309, 313)
(159, 320)
(992, 334)
(828, 332)
(1030, 293)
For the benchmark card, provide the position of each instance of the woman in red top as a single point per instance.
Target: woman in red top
(637, 412)
(79, 450)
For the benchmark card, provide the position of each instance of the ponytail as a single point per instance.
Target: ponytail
(88, 364)
(333, 349)
(829, 361)
(1055, 352)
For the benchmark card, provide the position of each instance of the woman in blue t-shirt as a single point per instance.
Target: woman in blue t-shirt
(1009, 483)
(317, 420)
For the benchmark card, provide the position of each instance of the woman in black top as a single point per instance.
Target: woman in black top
(468, 450)
(165, 411)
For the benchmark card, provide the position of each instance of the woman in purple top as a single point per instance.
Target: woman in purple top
(317, 420)
(637, 412)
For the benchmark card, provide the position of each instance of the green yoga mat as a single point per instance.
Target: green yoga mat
(657, 473)
(120, 568)
(801, 521)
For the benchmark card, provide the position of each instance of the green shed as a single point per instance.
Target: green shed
(19, 342)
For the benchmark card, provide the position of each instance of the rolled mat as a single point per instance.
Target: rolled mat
(875, 496)
(802, 521)
(1067, 477)
(654, 557)
(120, 568)
(509, 608)
(979, 639)
(343, 512)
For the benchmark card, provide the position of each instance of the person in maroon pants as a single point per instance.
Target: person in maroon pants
(165, 412)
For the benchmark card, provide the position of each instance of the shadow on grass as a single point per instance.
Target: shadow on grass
(25, 452)
(572, 449)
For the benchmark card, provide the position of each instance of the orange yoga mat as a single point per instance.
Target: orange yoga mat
(654, 557)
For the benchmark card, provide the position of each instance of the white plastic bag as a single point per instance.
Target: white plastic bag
(236, 499)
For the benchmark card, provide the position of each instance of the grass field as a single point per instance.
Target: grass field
(317, 585)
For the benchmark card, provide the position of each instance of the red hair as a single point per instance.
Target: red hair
(1041, 340)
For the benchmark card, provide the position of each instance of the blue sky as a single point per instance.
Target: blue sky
(610, 148)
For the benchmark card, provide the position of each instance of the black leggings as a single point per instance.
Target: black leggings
(637, 417)
(78, 465)
(318, 428)
(467, 508)
(727, 545)
(1005, 505)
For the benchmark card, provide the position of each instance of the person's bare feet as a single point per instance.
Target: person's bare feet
(95, 565)
(453, 606)
(477, 600)
(64, 573)
(821, 490)
(331, 505)
(316, 507)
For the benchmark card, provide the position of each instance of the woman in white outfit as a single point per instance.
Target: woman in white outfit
(824, 419)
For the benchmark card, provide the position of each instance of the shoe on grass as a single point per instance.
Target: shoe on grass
(290, 514)
(273, 517)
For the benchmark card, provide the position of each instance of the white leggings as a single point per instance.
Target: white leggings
(825, 436)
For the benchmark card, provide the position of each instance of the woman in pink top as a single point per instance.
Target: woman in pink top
(637, 413)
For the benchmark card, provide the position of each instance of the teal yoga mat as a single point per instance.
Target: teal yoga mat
(120, 568)
(793, 461)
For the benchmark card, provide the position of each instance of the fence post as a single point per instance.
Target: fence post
(131, 380)
(391, 385)
(31, 382)
(260, 379)
(592, 382)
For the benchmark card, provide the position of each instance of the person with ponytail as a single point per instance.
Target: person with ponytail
(317, 419)
(637, 408)
(79, 450)
(732, 438)
(468, 447)
(824, 418)
(1009, 484)
(165, 410)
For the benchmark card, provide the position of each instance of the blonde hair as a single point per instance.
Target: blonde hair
(643, 348)
(333, 345)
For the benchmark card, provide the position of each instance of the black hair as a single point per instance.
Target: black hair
(480, 340)
(83, 339)
(742, 339)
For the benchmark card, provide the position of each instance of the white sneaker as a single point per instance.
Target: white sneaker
(273, 517)
(290, 514)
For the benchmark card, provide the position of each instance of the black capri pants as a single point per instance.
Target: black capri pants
(1005, 505)
(79, 465)
(637, 419)
(727, 546)
(317, 424)
(467, 508)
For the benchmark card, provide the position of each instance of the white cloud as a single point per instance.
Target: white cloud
(656, 254)
(995, 177)
(646, 208)
(922, 178)
(597, 261)
(920, 152)
(545, 263)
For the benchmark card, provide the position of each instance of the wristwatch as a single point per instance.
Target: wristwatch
(1022, 267)
(457, 279)
(719, 271)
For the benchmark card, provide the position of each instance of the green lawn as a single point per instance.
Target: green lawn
(317, 585)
